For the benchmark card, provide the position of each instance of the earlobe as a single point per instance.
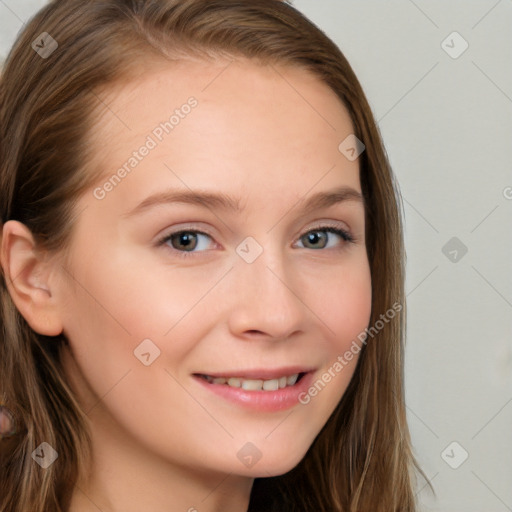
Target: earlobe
(27, 273)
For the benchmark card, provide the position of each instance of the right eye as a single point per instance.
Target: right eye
(186, 241)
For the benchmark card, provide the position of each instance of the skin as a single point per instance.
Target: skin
(161, 441)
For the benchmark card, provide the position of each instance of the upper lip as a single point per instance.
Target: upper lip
(260, 373)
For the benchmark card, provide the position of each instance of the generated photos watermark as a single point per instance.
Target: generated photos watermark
(156, 136)
(344, 359)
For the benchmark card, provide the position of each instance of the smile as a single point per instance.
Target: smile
(255, 384)
(261, 389)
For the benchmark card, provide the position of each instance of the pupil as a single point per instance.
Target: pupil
(315, 237)
(186, 240)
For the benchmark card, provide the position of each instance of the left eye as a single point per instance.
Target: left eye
(321, 238)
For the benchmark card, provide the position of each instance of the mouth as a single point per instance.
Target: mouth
(273, 384)
(263, 390)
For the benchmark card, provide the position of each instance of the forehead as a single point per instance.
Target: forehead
(249, 124)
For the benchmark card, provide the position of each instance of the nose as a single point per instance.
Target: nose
(266, 299)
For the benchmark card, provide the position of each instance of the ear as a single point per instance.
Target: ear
(28, 274)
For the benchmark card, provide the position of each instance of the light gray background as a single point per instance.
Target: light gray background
(447, 126)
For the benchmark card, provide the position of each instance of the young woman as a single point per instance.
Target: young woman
(202, 301)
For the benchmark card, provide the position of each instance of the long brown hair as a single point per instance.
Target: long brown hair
(362, 459)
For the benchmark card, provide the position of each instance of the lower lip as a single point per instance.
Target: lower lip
(269, 401)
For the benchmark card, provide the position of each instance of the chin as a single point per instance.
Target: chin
(276, 465)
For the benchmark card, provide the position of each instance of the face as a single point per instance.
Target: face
(232, 247)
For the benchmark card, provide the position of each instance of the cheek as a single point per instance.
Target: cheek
(120, 299)
(345, 305)
(350, 312)
(128, 296)
(158, 289)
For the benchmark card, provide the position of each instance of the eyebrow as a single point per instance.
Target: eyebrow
(224, 202)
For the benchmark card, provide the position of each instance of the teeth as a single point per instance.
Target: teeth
(292, 379)
(252, 385)
(234, 382)
(271, 385)
(255, 384)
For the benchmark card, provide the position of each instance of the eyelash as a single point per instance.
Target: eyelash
(345, 236)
